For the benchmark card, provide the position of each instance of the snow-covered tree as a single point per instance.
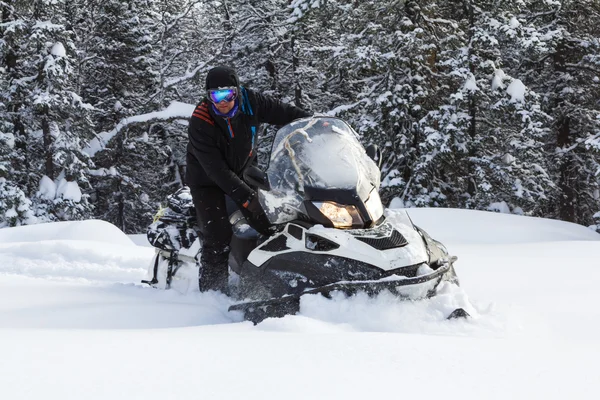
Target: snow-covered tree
(119, 84)
(49, 120)
(476, 104)
(564, 67)
(491, 130)
(15, 206)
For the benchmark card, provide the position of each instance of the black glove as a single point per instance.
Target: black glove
(253, 205)
(256, 217)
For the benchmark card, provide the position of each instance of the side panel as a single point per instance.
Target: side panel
(349, 247)
(292, 272)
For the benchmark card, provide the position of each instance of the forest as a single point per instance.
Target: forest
(489, 105)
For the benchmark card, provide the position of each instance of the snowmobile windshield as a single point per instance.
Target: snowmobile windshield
(319, 152)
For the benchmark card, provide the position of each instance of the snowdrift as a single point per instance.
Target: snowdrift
(75, 323)
(485, 227)
(90, 230)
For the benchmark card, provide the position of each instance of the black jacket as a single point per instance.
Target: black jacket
(220, 148)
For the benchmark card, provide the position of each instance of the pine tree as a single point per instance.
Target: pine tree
(120, 81)
(477, 104)
(41, 98)
(491, 131)
(564, 67)
(15, 207)
(182, 57)
(388, 76)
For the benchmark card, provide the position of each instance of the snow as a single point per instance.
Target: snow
(343, 108)
(384, 98)
(75, 323)
(11, 213)
(58, 50)
(7, 139)
(78, 101)
(95, 231)
(497, 80)
(500, 207)
(470, 84)
(508, 159)
(47, 25)
(47, 188)
(516, 90)
(68, 190)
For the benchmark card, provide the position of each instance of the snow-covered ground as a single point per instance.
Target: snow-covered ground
(75, 323)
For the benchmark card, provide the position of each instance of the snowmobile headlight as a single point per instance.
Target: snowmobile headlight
(341, 216)
(374, 206)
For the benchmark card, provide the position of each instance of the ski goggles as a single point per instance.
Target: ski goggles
(225, 94)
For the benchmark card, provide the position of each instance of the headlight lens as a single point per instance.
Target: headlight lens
(374, 206)
(340, 215)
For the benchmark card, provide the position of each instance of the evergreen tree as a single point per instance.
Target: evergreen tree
(181, 55)
(47, 116)
(15, 207)
(120, 81)
(477, 104)
(564, 67)
(388, 76)
(490, 133)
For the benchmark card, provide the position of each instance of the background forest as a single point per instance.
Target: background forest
(476, 104)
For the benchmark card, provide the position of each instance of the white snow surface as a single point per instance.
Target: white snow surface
(47, 188)
(58, 50)
(499, 76)
(76, 323)
(516, 90)
(69, 190)
(471, 84)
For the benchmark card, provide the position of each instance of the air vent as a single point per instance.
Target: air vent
(277, 244)
(318, 243)
(295, 231)
(395, 240)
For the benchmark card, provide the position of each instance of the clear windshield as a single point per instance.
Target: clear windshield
(319, 152)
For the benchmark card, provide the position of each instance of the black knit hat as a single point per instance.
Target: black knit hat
(221, 77)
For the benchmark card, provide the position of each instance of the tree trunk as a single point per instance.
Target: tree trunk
(48, 141)
(119, 155)
(295, 63)
(567, 180)
(10, 57)
(471, 181)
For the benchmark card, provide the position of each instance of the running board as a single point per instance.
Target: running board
(257, 311)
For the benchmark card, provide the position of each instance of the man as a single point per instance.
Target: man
(222, 143)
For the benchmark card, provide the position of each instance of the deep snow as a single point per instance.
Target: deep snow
(75, 323)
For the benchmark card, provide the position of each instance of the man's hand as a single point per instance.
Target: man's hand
(253, 205)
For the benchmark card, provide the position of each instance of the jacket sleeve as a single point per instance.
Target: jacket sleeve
(274, 112)
(203, 146)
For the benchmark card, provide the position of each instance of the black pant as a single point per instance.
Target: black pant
(213, 220)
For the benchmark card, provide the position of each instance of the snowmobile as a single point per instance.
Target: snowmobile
(332, 233)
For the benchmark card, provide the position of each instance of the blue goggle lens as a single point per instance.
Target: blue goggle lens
(217, 96)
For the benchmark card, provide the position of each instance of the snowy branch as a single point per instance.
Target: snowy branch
(581, 66)
(176, 110)
(165, 68)
(453, 24)
(345, 107)
(191, 74)
(171, 24)
(534, 16)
